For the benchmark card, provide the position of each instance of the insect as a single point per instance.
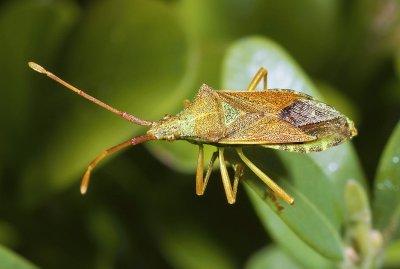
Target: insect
(277, 118)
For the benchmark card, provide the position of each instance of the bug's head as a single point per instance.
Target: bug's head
(349, 129)
(168, 128)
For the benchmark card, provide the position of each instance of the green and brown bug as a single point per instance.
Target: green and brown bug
(276, 118)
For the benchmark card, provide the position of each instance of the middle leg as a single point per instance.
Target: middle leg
(229, 190)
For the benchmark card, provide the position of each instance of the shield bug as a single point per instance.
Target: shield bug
(277, 118)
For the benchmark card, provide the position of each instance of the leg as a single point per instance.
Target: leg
(261, 74)
(273, 198)
(131, 142)
(186, 103)
(200, 171)
(201, 183)
(229, 191)
(270, 183)
(238, 168)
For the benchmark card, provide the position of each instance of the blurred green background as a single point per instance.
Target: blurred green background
(146, 57)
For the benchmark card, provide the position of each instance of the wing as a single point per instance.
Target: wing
(267, 101)
(254, 118)
(262, 130)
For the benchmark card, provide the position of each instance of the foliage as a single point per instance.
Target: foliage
(146, 57)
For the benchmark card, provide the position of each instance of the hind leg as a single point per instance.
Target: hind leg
(260, 75)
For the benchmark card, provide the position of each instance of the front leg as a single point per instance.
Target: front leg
(201, 183)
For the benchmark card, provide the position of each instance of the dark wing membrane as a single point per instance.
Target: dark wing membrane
(262, 130)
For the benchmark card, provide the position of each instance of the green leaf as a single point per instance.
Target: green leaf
(386, 205)
(312, 182)
(10, 260)
(271, 258)
(136, 55)
(358, 212)
(285, 236)
(364, 241)
(244, 59)
(320, 191)
(302, 229)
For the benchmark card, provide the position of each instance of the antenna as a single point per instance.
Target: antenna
(124, 115)
(131, 142)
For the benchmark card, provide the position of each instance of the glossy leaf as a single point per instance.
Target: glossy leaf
(386, 204)
(364, 241)
(286, 238)
(10, 260)
(322, 189)
(301, 229)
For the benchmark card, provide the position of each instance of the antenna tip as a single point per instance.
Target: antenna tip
(37, 67)
(85, 181)
(83, 190)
